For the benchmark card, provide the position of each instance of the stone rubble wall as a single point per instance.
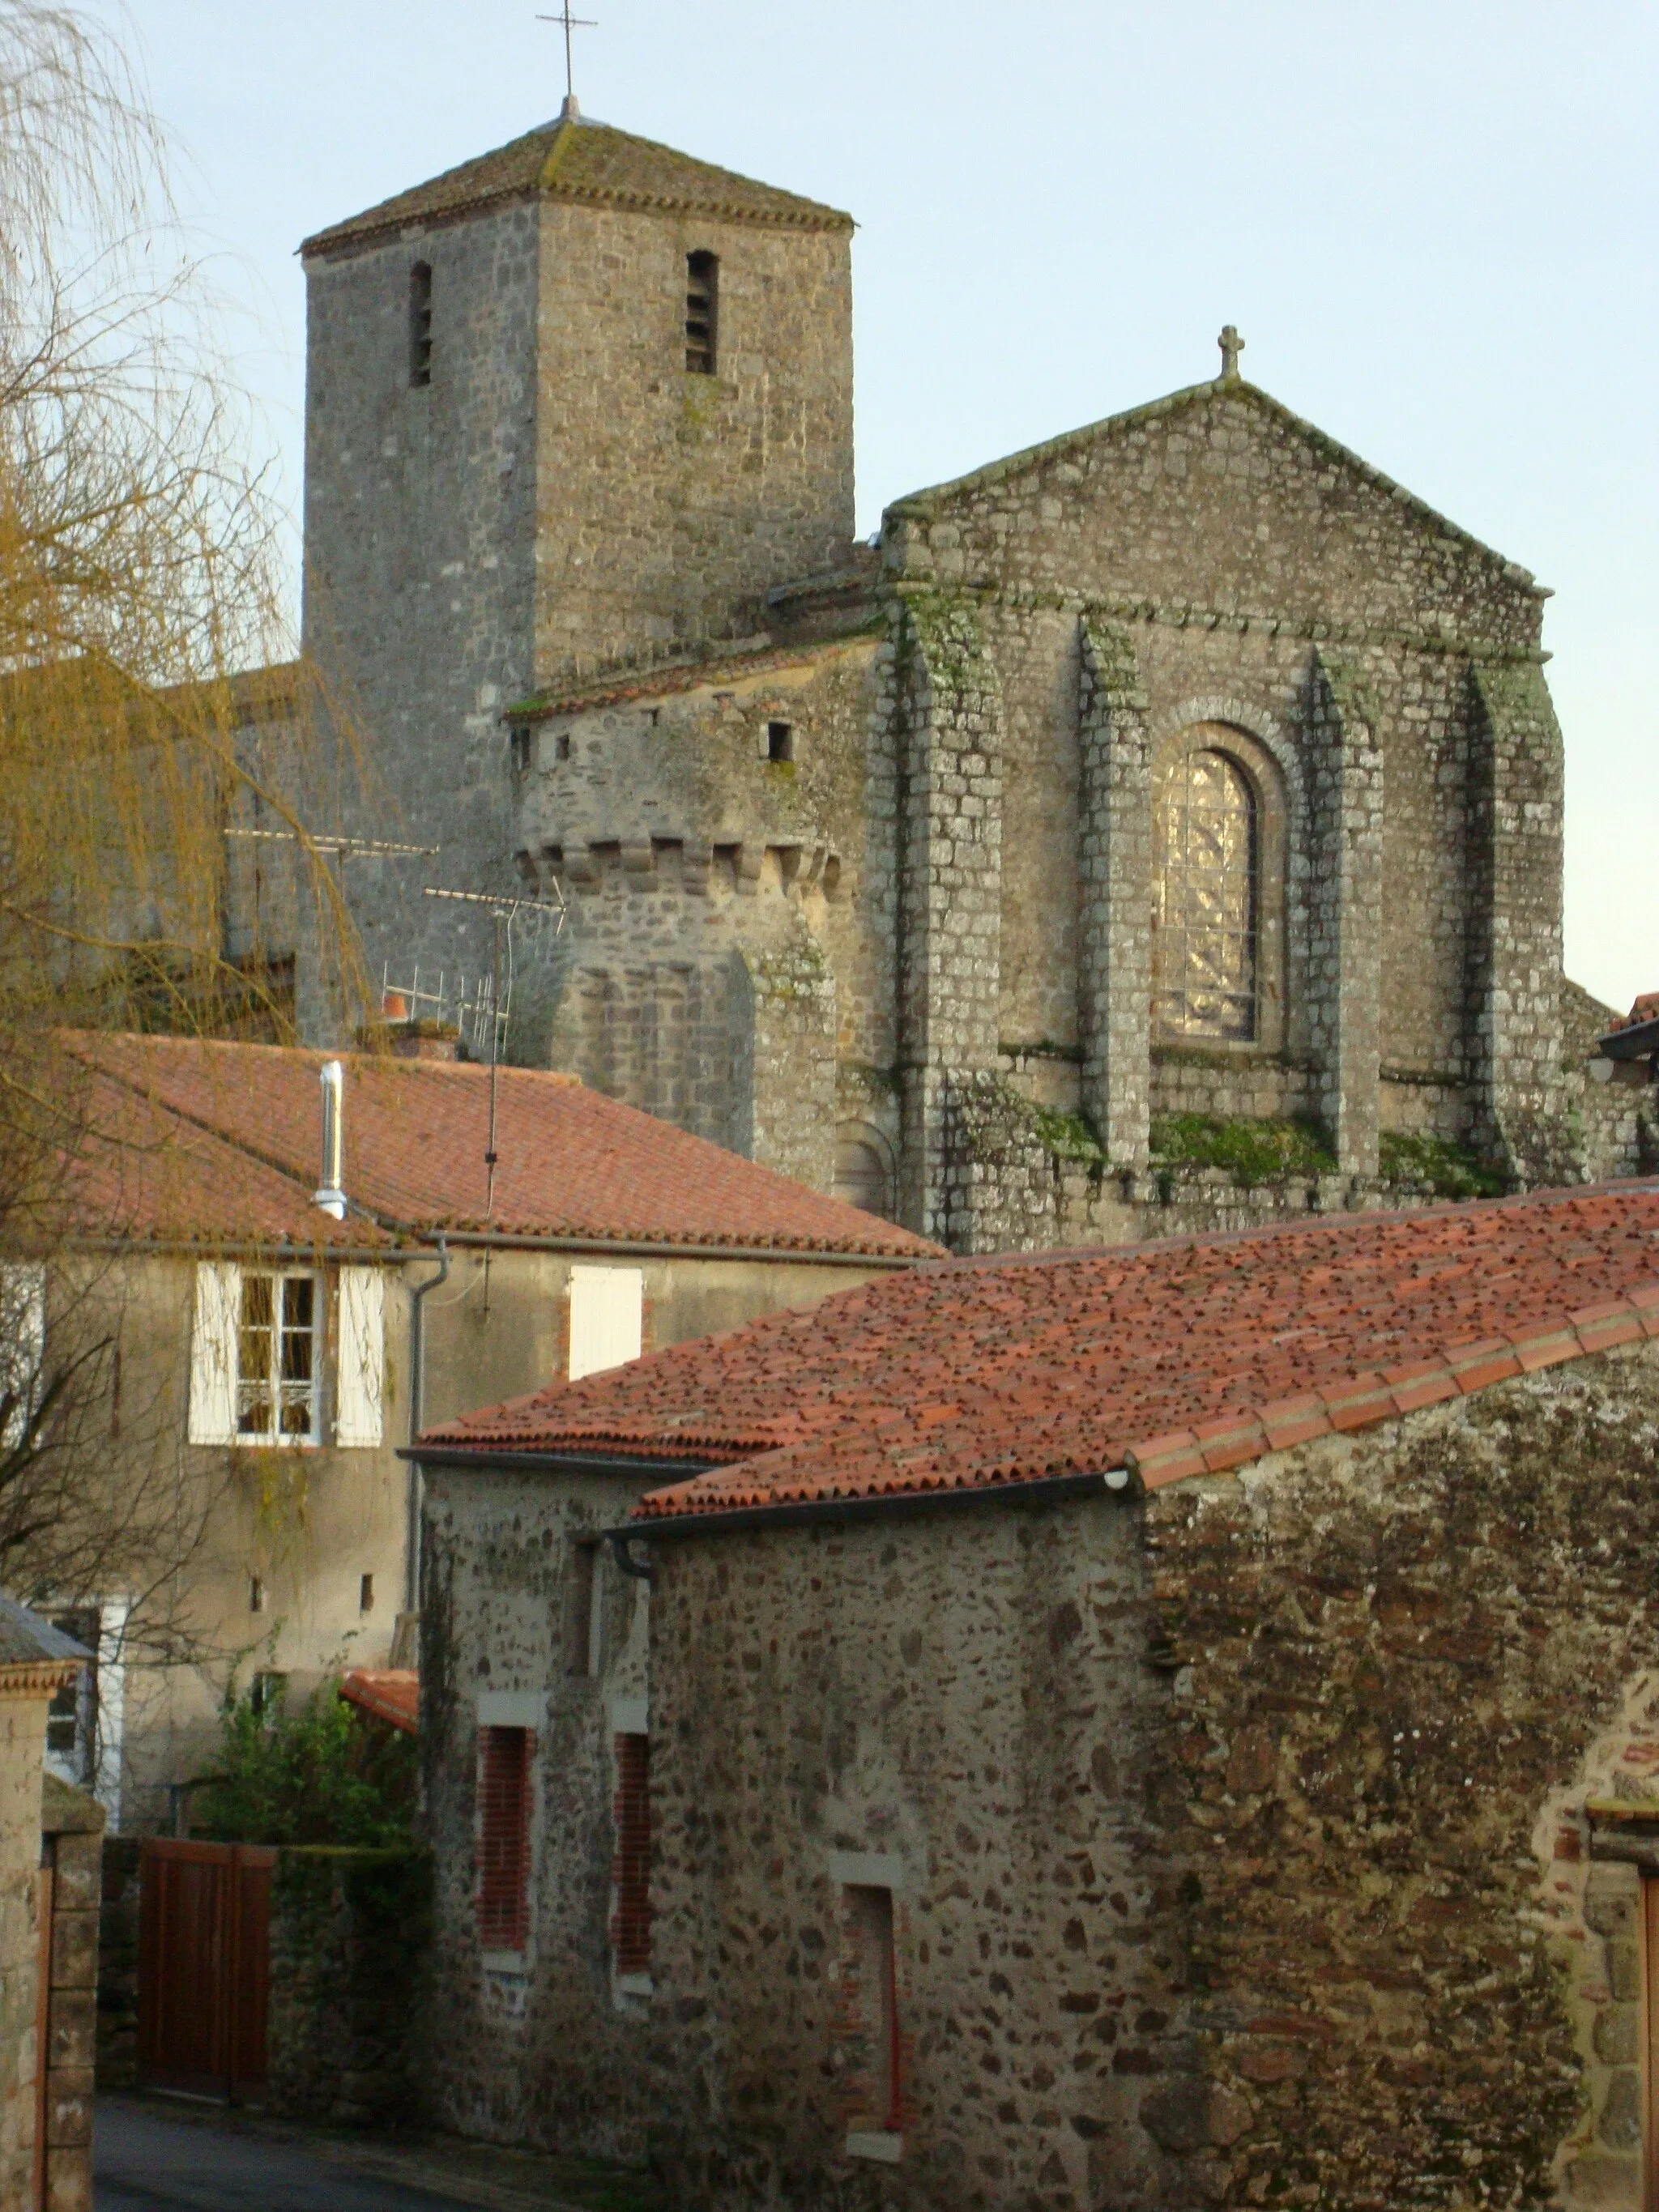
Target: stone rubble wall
(350, 2020)
(1237, 1835)
(1400, 1664)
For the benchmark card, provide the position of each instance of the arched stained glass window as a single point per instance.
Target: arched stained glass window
(1207, 900)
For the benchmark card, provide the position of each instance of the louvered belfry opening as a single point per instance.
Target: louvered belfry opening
(702, 272)
(420, 325)
(504, 1838)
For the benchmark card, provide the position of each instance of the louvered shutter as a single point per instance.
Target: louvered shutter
(213, 1353)
(361, 1377)
(607, 1306)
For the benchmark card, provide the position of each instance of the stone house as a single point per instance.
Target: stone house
(1182, 770)
(1171, 1726)
(261, 1318)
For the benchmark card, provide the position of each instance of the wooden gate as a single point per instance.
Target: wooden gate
(203, 1966)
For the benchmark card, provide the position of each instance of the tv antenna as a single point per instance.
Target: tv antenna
(490, 1004)
(342, 849)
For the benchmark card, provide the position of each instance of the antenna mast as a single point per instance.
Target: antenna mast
(504, 911)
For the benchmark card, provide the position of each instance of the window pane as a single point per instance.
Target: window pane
(298, 1367)
(254, 1356)
(1207, 921)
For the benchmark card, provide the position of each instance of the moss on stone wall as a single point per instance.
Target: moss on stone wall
(1437, 1164)
(1251, 1151)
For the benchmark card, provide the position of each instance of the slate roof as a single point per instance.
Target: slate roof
(573, 1165)
(28, 1640)
(1172, 1358)
(591, 163)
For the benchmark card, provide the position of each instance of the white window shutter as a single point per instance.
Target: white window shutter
(362, 1376)
(22, 1341)
(213, 1353)
(607, 1308)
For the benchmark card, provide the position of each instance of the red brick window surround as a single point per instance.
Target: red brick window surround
(631, 1929)
(504, 1756)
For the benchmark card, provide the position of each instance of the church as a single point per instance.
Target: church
(1180, 782)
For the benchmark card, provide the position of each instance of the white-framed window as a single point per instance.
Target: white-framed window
(607, 1318)
(277, 1357)
(257, 1347)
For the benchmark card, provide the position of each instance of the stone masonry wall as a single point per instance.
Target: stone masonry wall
(1399, 1663)
(420, 540)
(1225, 1830)
(668, 502)
(349, 2014)
(22, 1739)
(957, 1702)
(708, 966)
(545, 2046)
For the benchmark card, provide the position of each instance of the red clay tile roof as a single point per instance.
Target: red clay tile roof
(391, 1693)
(132, 1170)
(1646, 1009)
(593, 163)
(1173, 1358)
(573, 1165)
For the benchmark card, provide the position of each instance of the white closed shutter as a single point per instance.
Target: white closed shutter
(213, 1353)
(607, 1308)
(23, 1342)
(358, 1411)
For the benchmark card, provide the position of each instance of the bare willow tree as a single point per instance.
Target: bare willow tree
(149, 697)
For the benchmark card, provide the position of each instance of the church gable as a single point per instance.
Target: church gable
(1221, 499)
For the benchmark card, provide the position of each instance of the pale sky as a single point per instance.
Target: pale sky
(1433, 220)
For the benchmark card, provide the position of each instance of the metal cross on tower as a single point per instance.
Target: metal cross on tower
(569, 23)
(1231, 346)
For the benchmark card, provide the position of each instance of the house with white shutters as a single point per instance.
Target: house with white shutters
(283, 1263)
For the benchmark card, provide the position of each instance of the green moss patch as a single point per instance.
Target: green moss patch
(1068, 1137)
(1448, 1169)
(1250, 1152)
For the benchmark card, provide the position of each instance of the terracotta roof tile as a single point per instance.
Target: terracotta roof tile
(573, 1165)
(391, 1693)
(590, 162)
(670, 678)
(1175, 1358)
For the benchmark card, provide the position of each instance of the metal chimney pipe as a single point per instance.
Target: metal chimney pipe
(331, 1197)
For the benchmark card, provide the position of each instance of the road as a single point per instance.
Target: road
(151, 2161)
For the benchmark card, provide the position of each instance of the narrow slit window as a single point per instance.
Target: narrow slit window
(631, 1875)
(703, 273)
(779, 741)
(420, 325)
(586, 1597)
(874, 1987)
(365, 1593)
(504, 1838)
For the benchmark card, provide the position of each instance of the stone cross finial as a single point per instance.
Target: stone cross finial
(569, 23)
(1231, 346)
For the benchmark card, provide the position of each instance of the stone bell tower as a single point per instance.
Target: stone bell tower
(582, 399)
